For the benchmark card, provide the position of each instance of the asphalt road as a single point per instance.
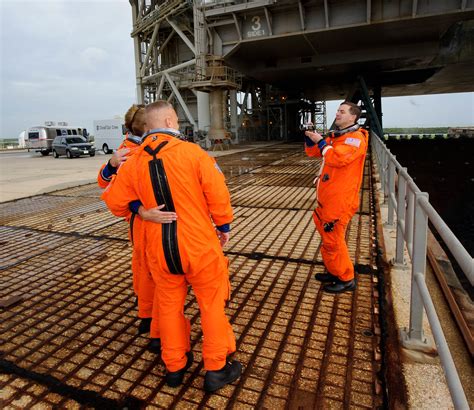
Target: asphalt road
(25, 173)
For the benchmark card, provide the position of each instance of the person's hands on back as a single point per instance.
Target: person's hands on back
(118, 157)
(156, 215)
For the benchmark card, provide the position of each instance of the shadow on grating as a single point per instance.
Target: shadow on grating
(72, 340)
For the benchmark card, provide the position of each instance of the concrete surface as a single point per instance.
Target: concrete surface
(424, 375)
(25, 173)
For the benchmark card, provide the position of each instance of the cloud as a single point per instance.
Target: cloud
(27, 85)
(93, 58)
(64, 60)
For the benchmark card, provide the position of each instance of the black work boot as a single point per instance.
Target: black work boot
(215, 379)
(174, 379)
(326, 277)
(341, 286)
(154, 346)
(144, 326)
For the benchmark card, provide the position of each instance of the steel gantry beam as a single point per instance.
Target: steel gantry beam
(174, 61)
(163, 50)
(306, 49)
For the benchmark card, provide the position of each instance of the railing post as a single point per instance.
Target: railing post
(401, 212)
(391, 189)
(409, 219)
(420, 232)
(414, 338)
(377, 149)
(383, 171)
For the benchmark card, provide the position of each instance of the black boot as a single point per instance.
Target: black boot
(215, 379)
(341, 286)
(144, 326)
(326, 277)
(174, 379)
(154, 346)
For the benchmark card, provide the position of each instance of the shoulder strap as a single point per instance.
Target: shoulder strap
(154, 152)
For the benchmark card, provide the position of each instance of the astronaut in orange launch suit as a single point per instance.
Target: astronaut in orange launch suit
(179, 174)
(337, 192)
(143, 284)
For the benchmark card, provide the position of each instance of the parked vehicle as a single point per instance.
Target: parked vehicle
(109, 134)
(72, 147)
(40, 138)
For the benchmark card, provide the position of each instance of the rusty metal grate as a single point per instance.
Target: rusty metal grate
(80, 215)
(72, 341)
(273, 197)
(91, 191)
(31, 243)
(257, 179)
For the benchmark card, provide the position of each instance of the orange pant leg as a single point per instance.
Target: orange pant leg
(155, 318)
(135, 275)
(174, 327)
(211, 287)
(143, 283)
(334, 250)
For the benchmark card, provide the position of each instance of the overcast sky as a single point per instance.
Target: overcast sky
(72, 60)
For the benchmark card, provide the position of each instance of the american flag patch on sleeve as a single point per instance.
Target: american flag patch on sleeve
(352, 141)
(217, 167)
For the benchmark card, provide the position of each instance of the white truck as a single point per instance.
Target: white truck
(109, 134)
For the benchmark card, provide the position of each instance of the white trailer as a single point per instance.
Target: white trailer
(109, 134)
(40, 138)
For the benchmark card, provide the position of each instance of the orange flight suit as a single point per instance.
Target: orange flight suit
(337, 196)
(143, 284)
(188, 181)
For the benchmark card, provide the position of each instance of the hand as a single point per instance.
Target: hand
(118, 157)
(313, 136)
(157, 216)
(223, 237)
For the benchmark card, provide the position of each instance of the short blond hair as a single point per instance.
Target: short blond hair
(158, 105)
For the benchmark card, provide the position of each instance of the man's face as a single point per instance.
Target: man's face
(344, 118)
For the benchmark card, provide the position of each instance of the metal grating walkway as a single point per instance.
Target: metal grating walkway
(70, 340)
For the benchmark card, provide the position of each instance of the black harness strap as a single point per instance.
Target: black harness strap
(154, 152)
(162, 194)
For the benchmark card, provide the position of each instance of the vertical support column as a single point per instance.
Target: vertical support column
(217, 121)
(200, 45)
(204, 114)
(233, 114)
(378, 104)
(138, 62)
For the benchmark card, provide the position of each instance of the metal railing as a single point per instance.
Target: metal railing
(413, 212)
